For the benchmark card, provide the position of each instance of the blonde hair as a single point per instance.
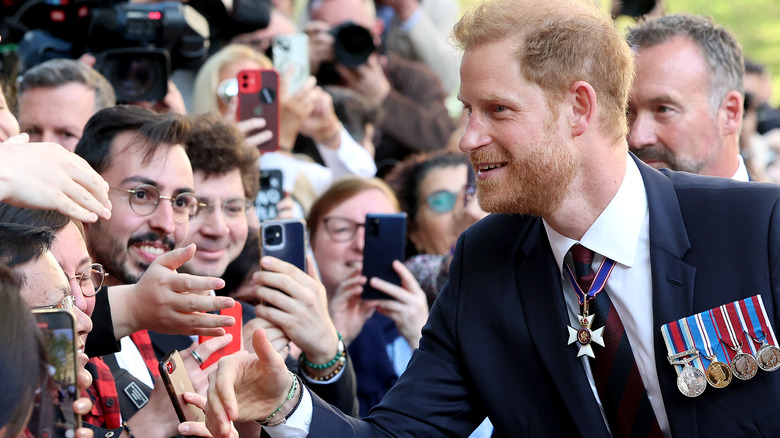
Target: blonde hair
(207, 80)
(559, 42)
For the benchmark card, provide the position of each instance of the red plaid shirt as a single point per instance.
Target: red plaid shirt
(103, 392)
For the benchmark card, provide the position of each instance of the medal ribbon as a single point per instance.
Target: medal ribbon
(725, 330)
(675, 337)
(758, 324)
(598, 283)
(736, 316)
(706, 335)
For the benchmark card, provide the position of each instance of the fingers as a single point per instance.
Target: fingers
(231, 112)
(82, 405)
(194, 428)
(174, 259)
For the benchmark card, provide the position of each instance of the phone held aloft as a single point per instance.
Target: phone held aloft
(53, 414)
(385, 241)
(258, 96)
(177, 382)
(284, 239)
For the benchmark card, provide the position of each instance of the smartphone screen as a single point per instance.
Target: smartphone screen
(385, 241)
(258, 96)
(235, 330)
(53, 414)
(270, 193)
(284, 239)
(177, 382)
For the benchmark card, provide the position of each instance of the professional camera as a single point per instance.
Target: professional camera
(352, 45)
(137, 44)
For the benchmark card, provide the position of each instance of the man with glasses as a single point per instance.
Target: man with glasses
(141, 156)
(226, 176)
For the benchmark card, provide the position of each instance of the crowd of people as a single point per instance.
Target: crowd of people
(649, 153)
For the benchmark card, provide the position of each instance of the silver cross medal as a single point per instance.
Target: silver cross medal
(584, 335)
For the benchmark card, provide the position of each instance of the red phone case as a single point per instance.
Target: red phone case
(235, 330)
(258, 96)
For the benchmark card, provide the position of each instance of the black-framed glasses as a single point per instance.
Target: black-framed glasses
(231, 208)
(341, 229)
(145, 198)
(91, 279)
(67, 303)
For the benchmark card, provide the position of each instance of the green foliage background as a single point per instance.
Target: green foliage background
(756, 23)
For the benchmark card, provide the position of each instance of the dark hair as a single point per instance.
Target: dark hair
(58, 72)
(21, 243)
(152, 130)
(354, 111)
(407, 177)
(30, 216)
(22, 357)
(719, 48)
(216, 148)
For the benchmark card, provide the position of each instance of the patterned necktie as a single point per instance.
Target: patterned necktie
(617, 378)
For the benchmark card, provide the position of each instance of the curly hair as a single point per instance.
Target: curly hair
(216, 147)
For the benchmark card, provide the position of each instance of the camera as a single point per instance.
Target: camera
(352, 44)
(272, 235)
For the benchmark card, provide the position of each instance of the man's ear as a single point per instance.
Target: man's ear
(732, 110)
(582, 98)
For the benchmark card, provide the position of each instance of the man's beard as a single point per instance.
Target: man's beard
(535, 180)
(114, 256)
(660, 153)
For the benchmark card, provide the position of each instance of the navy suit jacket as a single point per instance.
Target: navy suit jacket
(495, 343)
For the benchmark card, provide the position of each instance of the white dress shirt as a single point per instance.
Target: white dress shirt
(621, 233)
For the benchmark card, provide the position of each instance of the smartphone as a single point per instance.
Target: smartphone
(235, 330)
(177, 382)
(291, 59)
(385, 241)
(284, 239)
(270, 193)
(258, 96)
(53, 414)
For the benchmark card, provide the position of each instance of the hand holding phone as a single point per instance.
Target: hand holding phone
(177, 382)
(284, 239)
(258, 96)
(291, 59)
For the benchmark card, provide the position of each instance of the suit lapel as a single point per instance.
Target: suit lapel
(673, 288)
(539, 286)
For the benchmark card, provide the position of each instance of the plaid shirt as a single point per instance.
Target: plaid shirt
(103, 391)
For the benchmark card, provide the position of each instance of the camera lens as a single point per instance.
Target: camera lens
(273, 235)
(352, 44)
(135, 77)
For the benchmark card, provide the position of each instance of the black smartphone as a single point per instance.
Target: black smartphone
(258, 96)
(385, 241)
(270, 193)
(53, 414)
(284, 239)
(177, 382)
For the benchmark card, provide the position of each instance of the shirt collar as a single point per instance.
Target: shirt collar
(741, 174)
(616, 232)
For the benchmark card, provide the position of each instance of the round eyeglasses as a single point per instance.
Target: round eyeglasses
(441, 201)
(67, 303)
(145, 198)
(341, 229)
(91, 279)
(231, 208)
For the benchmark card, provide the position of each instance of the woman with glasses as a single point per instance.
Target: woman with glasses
(437, 193)
(380, 343)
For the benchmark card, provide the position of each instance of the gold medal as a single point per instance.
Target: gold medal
(718, 373)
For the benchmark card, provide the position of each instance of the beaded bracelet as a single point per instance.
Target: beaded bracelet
(290, 395)
(126, 427)
(292, 411)
(330, 363)
(339, 366)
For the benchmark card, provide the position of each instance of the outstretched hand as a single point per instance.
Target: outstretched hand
(47, 176)
(246, 387)
(168, 302)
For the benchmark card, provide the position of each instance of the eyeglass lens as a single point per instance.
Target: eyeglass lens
(341, 229)
(441, 201)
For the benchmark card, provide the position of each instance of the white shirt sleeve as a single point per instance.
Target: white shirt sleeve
(299, 422)
(349, 158)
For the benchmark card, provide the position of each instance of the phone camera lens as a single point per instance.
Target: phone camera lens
(169, 367)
